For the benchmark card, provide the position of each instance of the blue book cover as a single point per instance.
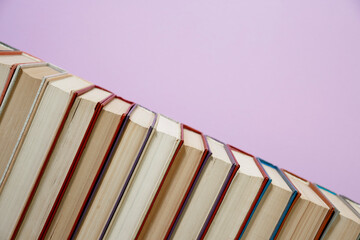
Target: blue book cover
(294, 196)
(267, 182)
(333, 216)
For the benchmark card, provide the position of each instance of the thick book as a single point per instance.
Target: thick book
(354, 206)
(146, 180)
(310, 214)
(17, 110)
(336, 213)
(242, 198)
(49, 117)
(176, 187)
(60, 160)
(274, 206)
(344, 223)
(208, 193)
(112, 179)
(194, 182)
(111, 120)
(9, 60)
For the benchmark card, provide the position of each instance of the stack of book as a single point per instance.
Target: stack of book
(79, 162)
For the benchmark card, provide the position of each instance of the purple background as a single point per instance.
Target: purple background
(279, 79)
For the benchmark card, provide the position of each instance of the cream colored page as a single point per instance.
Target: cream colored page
(202, 199)
(58, 166)
(113, 181)
(145, 181)
(83, 175)
(13, 116)
(4, 73)
(3, 47)
(172, 193)
(38, 140)
(9, 60)
(235, 206)
(268, 213)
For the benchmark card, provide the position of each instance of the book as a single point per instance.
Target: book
(52, 110)
(346, 225)
(16, 112)
(273, 207)
(310, 214)
(6, 47)
(66, 149)
(207, 195)
(111, 120)
(176, 187)
(241, 200)
(112, 179)
(335, 214)
(146, 181)
(78, 162)
(354, 206)
(9, 60)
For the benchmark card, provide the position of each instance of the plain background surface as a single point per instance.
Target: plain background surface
(279, 79)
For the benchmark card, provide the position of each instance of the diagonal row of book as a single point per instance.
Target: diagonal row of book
(78, 162)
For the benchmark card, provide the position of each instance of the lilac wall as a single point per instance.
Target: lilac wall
(278, 78)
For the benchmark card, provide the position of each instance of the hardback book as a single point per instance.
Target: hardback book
(6, 47)
(176, 187)
(9, 60)
(208, 193)
(241, 200)
(64, 153)
(113, 177)
(28, 162)
(111, 121)
(16, 112)
(355, 207)
(146, 180)
(273, 207)
(346, 224)
(310, 214)
(335, 215)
